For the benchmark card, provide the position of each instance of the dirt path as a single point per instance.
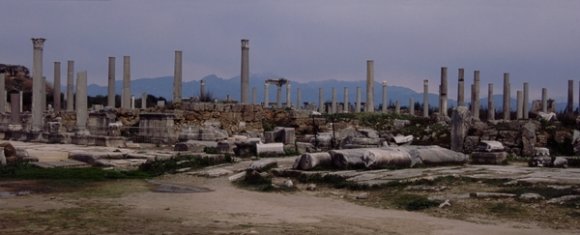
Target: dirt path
(228, 209)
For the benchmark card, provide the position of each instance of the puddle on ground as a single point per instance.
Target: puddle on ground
(174, 188)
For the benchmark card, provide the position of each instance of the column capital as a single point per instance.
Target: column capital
(245, 44)
(38, 43)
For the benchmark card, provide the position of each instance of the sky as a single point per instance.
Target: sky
(536, 41)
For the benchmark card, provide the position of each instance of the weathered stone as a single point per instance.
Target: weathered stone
(310, 161)
(460, 123)
(563, 199)
(491, 195)
(387, 158)
(435, 155)
(530, 197)
(528, 139)
(489, 157)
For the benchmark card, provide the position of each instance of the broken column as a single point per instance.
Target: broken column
(520, 105)
(177, 77)
(288, 92)
(70, 85)
(397, 107)
(357, 105)
(2, 93)
(443, 92)
(544, 100)
(384, 100)
(333, 104)
(15, 108)
(126, 93)
(570, 104)
(132, 102)
(346, 101)
(37, 110)
(475, 105)
(298, 98)
(254, 95)
(490, 105)
(202, 90)
(411, 106)
(278, 96)
(245, 74)
(56, 88)
(370, 104)
(526, 101)
(111, 83)
(81, 103)
(266, 95)
(425, 98)
(459, 127)
(144, 100)
(320, 100)
(461, 88)
(506, 96)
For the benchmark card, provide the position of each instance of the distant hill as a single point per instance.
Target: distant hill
(221, 87)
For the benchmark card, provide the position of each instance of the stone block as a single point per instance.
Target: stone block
(493, 158)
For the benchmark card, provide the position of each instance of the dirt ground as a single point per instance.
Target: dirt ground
(131, 207)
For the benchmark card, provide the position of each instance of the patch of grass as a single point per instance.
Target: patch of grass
(156, 168)
(503, 209)
(77, 174)
(414, 202)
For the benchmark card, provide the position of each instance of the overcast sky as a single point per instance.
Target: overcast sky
(534, 40)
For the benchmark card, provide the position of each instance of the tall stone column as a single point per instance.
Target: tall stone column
(490, 105)
(411, 106)
(81, 102)
(321, 100)
(370, 104)
(70, 85)
(144, 100)
(15, 108)
(443, 92)
(506, 96)
(202, 90)
(526, 101)
(177, 77)
(56, 89)
(126, 96)
(345, 105)
(37, 117)
(278, 96)
(254, 95)
(43, 94)
(544, 100)
(288, 97)
(333, 107)
(570, 104)
(384, 100)
(425, 98)
(475, 105)
(461, 88)
(266, 95)
(111, 83)
(132, 102)
(2, 93)
(298, 98)
(397, 107)
(357, 105)
(520, 105)
(245, 74)
(21, 100)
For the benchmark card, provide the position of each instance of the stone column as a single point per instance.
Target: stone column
(56, 89)
(126, 95)
(177, 77)
(506, 96)
(333, 104)
(288, 98)
(459, 127)
(37, 117)
(81, 102)
(385, 102)
(520, 105)
(245, 74)
(70, 85)
(425, 98)
(21, 100)
(397, 107)
(43, 95)
(475, 106)
(15, 108)
(345, 102)
(490, 105)
(411, 106)
(111, 83)
(526, 101)
(443, 92)
(321, 100)
(278, 96)
(544, 100)
(298, 98)
(461, 88)
(254, 95)
(202, 90)
(357, 105)
(570, 104)
(370, 104)
(132, 102)
(144, 100)
(2, 93)
(266, 95)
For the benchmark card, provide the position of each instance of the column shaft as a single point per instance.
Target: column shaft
(111, 83)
